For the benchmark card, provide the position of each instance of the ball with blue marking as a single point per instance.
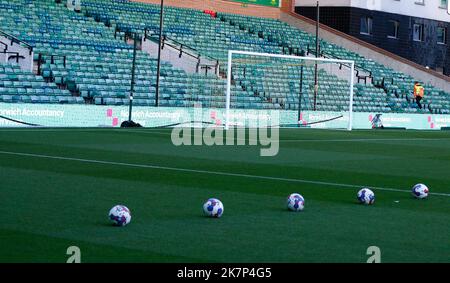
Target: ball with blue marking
(120, 215)
(420, 191)
(213, 208)
(366, 196)
(295, 202)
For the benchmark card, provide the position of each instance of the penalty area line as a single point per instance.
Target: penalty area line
(217, 173)
(167, 133)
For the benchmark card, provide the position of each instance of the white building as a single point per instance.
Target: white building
(417, 30)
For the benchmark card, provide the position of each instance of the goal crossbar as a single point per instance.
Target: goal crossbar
(328, 60)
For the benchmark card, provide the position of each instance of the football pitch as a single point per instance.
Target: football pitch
(58, 185)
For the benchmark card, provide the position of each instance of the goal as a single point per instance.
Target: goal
(304, 91)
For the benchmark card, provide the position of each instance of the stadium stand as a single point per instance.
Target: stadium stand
(87, 57)
(17, 85)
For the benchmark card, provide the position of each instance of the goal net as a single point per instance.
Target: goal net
(304, 91)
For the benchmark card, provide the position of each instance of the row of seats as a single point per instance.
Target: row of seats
(17, 85)
(83, 58)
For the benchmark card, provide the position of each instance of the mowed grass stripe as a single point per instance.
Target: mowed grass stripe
(33, 247)
(373, 164)
(296, 132)
(306, 140)
(148, 166)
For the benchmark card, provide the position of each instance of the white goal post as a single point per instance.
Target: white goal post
(313, 59)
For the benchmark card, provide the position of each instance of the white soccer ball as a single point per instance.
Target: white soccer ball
(120, 215)
(420, 191)
(366, 196)
(295, 202)
(213, 208)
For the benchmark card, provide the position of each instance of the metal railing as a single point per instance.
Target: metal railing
(16, 56)
(40, 60)
(358, 69)
(5, 45)
(184, 49)
(16, 40)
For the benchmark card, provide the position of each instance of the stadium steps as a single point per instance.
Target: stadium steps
(17, 85)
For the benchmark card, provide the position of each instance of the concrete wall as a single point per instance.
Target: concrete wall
(25, 64)
(342, 73)
(170, 54)
(369, 51)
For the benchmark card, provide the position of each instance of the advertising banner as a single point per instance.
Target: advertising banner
(271, 3)
(67, 115)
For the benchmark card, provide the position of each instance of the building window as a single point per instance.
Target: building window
(393, 29)
(420, 2)
(441, 35)
(366, 25)
(443, 4)
(418, 32)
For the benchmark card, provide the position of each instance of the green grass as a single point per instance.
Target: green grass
(49, 204)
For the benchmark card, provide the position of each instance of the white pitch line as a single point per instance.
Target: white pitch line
(367, 140)
(219, 173)
(302, 140)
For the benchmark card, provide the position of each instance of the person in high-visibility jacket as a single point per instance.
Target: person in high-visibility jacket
(418, 93)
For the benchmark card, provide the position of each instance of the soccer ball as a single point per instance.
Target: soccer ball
(420, 191)
(366, 196)
(295, 202)
(120, 215)
(213, 208)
